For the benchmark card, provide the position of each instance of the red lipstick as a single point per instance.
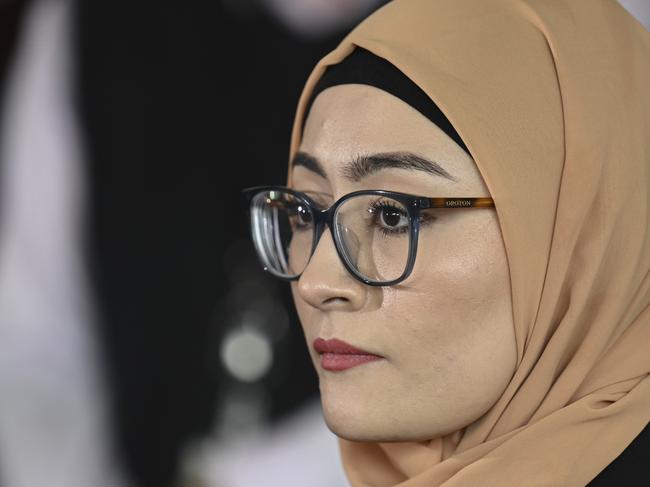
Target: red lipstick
(338, 355)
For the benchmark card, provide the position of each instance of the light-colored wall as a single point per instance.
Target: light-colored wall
(640, 9)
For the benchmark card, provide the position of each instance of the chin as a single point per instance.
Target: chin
(348, 419)
(370, 432)
(368, 424)
(357, 432)
(383, 421)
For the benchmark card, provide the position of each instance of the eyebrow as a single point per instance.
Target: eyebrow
(364, 165)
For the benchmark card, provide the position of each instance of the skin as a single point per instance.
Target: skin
(446, 333)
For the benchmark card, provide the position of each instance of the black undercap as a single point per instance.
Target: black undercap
(364, 67)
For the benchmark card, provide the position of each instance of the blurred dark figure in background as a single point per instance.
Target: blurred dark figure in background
(132, 317)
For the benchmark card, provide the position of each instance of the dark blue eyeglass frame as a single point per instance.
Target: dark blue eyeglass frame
(326, 217)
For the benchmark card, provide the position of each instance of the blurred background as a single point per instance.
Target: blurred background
(141, 344)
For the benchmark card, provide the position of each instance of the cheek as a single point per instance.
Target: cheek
(455, 309)
(460, 265)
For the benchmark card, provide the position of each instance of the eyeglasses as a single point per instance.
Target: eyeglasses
(375, 232)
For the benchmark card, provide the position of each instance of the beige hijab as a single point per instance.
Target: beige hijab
(552, 99)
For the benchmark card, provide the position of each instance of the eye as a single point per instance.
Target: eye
(301, 217)
(390, 218)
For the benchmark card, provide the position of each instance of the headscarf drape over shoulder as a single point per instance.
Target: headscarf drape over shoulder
(552, 99)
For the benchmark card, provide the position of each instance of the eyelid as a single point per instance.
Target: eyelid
(319, 197)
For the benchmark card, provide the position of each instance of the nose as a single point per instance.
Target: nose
(326, 283)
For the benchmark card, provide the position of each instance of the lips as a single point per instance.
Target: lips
(337, 355)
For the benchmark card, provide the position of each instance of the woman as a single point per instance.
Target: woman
(484, 321)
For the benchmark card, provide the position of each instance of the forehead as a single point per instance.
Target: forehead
(350, 119)
(355, 114)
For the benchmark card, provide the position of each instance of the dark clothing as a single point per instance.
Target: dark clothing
(631, 468)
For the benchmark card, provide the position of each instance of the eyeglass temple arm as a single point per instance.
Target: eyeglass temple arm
(460, 202)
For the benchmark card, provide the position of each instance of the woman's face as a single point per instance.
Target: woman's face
(445, 334)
